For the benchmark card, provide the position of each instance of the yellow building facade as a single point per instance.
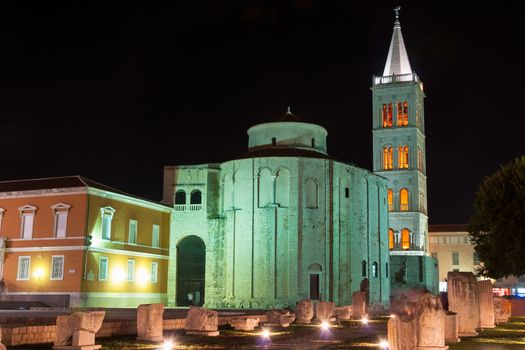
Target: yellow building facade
(71, 241)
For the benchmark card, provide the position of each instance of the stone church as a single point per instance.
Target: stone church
(285, 221)
(281, 223)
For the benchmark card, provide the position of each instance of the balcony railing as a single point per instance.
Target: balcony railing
(179, 207)
(195, 207)
(402, 78)
(190, 207)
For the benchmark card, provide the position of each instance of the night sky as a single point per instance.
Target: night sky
(115, 92)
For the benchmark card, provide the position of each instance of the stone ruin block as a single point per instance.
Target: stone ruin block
(343, 312)
(244, 323)
(486, 304)
(502, 309)
(451, 327)
(324, 311)
(77, 331)
(430, 323)
(280, 318)
(402, 334)
(201, 321)
(304, 311)
(149, 322)
(359, 304)
(463, 299)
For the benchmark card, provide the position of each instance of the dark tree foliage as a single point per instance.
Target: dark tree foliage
(497, 226)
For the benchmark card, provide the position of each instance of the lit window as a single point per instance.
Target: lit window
(391, 242)
(131, 270)
(154, 272)
(403, 113)
(388, 163)
(27, 214)
(375, 271)
(132, 234)
(455, 258)
(403, 199)
(363, 268)
(390, 200)
(155, 236)
(403, 157)
(387, 115)
(103, 268)
(311, 194)
(107, 216)
(24, 263)
(405, 239)
(57, 267)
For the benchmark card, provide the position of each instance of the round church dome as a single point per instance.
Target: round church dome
(289, 132)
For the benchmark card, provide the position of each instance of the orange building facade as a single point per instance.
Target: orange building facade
(71, 241)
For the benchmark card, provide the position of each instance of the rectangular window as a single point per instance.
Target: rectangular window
(433, 240)
(455, 258)
(155, 236)
(476, 259)
(132, 236)
(57, 267)
(131, 270)
(103, 268)
(154, 272)
(27, 226)
(60, 224)
(106, 226)
(24, 263)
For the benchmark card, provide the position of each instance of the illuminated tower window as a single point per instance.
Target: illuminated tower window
(387, 115)
(390, 200)
(403, 157)
(403, 199)
(405, 239)
(402, 114)
(388, 163)
(391, 239)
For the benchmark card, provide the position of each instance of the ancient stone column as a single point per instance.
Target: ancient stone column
(324, 311)
(451, 327)
(430, 321)
(486, 304)
(304, 311)
(149, 322)
(201, 321)
(2, 346)
(502, 310)
(402, 333)
(463, 299)
(358, 304)
(77, 331)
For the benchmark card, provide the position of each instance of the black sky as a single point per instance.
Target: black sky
(115, 92)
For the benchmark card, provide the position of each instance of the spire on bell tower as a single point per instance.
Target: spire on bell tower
(397, 60)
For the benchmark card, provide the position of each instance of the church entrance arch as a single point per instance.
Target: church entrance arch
(314, 280)
(191, 269)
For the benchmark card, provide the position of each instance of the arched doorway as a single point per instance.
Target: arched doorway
(314, 281)
(191, 269)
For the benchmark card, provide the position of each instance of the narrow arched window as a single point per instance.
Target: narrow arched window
(311, 194)
(387, 115)
(265, 188)
(196, 197)
(282, 188)
(347, 192)
(403, 200)
(375, 272)
(386, 270)
(180, 197)
(363, 268)
(405, 239)
(403, 157)
(388, 163)
(390, 195)
(391, 237)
